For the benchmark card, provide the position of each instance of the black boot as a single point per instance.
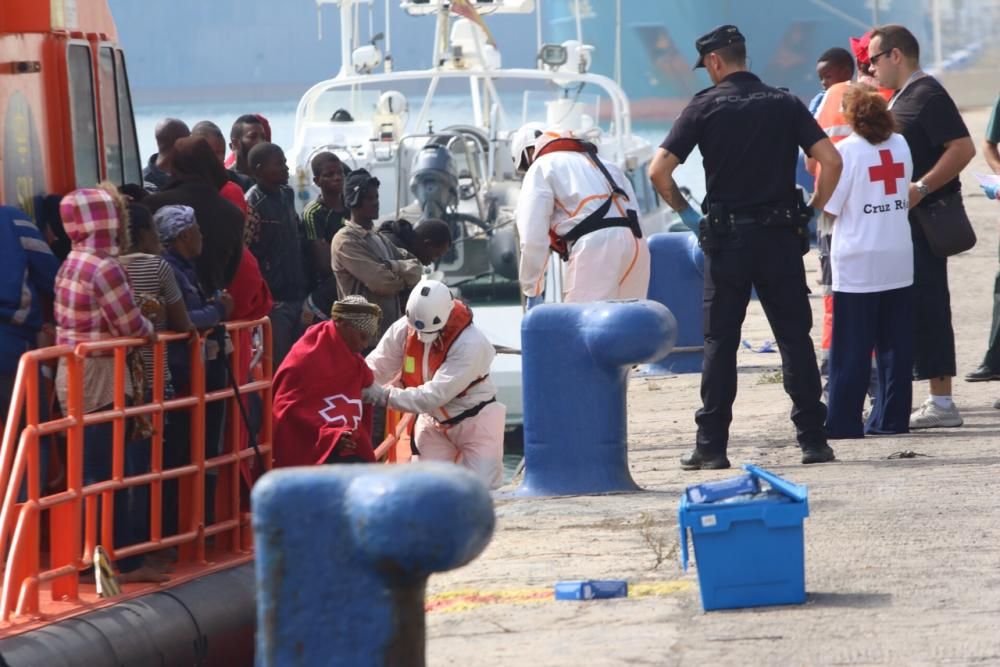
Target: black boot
(820, 454)
(696, 461)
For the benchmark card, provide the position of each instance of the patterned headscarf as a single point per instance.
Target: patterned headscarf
(356, 311)
(172, 220)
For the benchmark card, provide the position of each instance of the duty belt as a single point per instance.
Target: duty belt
(767, 216)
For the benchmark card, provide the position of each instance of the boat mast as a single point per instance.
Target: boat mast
(346, 38)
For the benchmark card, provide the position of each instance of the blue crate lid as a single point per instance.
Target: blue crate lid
(788, 510)
(796, 492)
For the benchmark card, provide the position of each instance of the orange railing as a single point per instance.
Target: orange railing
(72, 531)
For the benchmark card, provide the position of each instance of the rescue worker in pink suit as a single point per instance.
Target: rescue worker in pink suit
(438, 364)
(582, 208)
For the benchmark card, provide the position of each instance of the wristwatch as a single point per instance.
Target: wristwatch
(922, 188)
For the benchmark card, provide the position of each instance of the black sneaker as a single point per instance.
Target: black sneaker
(695, 461)
(982, 374)
(820, 454)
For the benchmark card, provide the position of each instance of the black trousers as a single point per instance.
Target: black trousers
(882, 321)
(769, 260)
(933, 336)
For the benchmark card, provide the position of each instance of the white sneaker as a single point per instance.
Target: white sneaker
(929, 415)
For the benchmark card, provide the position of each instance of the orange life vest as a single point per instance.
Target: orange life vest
(413, 350)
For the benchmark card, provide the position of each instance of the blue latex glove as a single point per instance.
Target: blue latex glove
(533, 301)
(691, 218)
(992, 191)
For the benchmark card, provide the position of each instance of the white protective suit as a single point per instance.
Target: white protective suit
(475, 442)
(559, 190)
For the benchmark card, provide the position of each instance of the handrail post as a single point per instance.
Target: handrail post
(31, 542)
(228, 485)
(156, 447)
(65, 530)
(267, 425)
(197, 510)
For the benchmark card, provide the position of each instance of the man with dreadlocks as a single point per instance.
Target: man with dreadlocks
(318, 417)
(363, 261)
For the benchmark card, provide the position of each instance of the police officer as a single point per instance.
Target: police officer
(753, 234)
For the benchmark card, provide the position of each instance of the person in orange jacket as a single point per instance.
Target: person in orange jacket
(443, 363)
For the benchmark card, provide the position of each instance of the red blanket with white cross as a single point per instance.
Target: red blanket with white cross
(317, 401)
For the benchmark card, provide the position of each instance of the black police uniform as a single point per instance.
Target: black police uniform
(749, 134)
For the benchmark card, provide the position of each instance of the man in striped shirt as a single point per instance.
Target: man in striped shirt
(27, 274)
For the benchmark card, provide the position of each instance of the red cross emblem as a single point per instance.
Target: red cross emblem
(887, 171)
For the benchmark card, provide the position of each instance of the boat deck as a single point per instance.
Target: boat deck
(54, 610)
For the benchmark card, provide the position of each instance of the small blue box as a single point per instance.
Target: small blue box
(710, 492)
(749, 553)
(593, 589)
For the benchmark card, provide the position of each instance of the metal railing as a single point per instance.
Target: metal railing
(72, 531)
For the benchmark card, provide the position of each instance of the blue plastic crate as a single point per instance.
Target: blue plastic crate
(749, 553)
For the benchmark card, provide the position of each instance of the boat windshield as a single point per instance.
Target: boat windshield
(455, 101)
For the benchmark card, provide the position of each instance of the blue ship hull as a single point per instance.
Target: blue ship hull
(784, 39)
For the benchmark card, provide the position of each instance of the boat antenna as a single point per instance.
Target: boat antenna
(538, 26)
(388, 38)
(618, 42)
(579, 25)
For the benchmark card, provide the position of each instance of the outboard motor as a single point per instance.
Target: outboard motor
(434, 181)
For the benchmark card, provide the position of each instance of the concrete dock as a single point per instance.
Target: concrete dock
(902, 556)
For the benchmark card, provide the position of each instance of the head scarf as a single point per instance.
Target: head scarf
(172, 220)
(356, 185)
(860, 47)
(356, 311)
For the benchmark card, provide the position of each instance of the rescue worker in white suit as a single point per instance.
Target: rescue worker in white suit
(443, 363)
(582, 208)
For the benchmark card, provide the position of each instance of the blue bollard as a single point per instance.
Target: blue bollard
(343, 556)
(575, 364)
(675, 280)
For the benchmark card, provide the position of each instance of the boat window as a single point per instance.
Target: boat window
(131, 160)
(83, 116)
(641, 186)
(109, 115)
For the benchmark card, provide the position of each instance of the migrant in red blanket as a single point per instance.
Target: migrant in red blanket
(317, 400)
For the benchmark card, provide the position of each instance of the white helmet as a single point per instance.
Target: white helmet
(522, 139)
(428, 309)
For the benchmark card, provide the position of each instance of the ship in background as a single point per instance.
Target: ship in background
(249, 51)
(784, 39)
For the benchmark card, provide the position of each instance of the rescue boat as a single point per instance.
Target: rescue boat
(378, 114)
(66, 120)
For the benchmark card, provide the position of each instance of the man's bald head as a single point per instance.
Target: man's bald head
(211, 132)
(168, 131)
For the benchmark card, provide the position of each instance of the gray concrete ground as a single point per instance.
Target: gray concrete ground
(902, 556)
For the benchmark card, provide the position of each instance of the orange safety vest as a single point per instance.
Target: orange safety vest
(413, 350)
(831, 113)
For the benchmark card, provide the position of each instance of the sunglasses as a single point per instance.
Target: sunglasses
(874, 58)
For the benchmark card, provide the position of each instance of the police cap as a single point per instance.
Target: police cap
(715, 39)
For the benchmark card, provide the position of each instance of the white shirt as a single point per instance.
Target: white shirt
(559, 190)
(872, 250)
(468, 359)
